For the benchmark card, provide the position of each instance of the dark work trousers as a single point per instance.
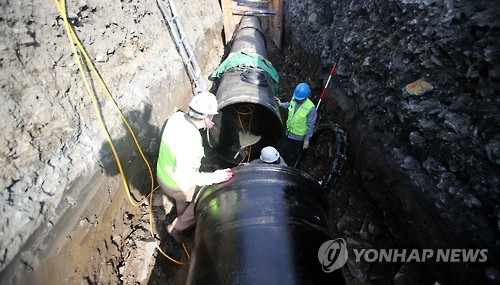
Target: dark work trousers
(290, 149)
(184, 205)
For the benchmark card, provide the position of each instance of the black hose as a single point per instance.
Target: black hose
(340, 156)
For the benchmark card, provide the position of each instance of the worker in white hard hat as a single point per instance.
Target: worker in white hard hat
(179, 160)
(269, 155)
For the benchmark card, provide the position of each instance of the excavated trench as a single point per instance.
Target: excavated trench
(363, 220)
(128, 253)
(421, 170)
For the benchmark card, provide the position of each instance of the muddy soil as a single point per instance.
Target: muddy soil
(58, 173)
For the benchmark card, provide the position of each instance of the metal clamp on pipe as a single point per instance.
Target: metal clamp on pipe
(254, 76)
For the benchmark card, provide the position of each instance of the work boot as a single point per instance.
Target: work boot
(175, 233)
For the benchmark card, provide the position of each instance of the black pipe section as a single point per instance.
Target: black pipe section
(340, 156)
(246, 105)
(264, 226)
(249, 37)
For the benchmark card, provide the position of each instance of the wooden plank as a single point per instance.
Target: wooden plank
(276, 22)
(230, 21)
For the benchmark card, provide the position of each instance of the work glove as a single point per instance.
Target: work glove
(222, 175)
(306, 145)
(277, 100)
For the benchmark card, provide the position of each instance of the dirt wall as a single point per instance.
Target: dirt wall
(54, 157)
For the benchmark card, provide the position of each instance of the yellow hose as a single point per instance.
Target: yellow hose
(61, 6)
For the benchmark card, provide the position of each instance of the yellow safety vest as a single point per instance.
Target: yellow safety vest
(181, 151)
(297, 123)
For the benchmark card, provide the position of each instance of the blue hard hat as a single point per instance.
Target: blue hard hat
(302, 91)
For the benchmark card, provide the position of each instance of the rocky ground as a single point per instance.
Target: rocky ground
(363, 221)
(430, 158)
(422, 168)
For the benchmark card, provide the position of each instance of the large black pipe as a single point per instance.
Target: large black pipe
(246, 103)
(264, 226)
(249, 37)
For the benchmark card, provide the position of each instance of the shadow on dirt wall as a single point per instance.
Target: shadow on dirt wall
(148, 136)
(135, 170)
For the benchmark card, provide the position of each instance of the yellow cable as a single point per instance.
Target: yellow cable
(152, 234)
(74, 39)
(186, 251)
(61, 6)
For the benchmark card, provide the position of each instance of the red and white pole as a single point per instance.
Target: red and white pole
(326, 85)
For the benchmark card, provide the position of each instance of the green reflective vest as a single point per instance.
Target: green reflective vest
(181, 151)
(297, 123)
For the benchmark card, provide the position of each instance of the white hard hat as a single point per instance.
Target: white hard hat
(269, 154)
(204, 103)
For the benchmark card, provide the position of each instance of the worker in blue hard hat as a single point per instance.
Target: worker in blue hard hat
(300, 124)
(179, 160)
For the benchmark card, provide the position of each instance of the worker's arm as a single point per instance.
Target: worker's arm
(312, 116)
(209, 178)
(187, 172)
(285, 105)
(281, 104)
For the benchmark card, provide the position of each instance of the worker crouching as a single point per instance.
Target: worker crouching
(179, 160)
(269, 155)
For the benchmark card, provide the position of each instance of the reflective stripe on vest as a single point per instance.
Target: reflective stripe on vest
(297, 123)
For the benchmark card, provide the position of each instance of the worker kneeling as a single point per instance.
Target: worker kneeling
(179, 160)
